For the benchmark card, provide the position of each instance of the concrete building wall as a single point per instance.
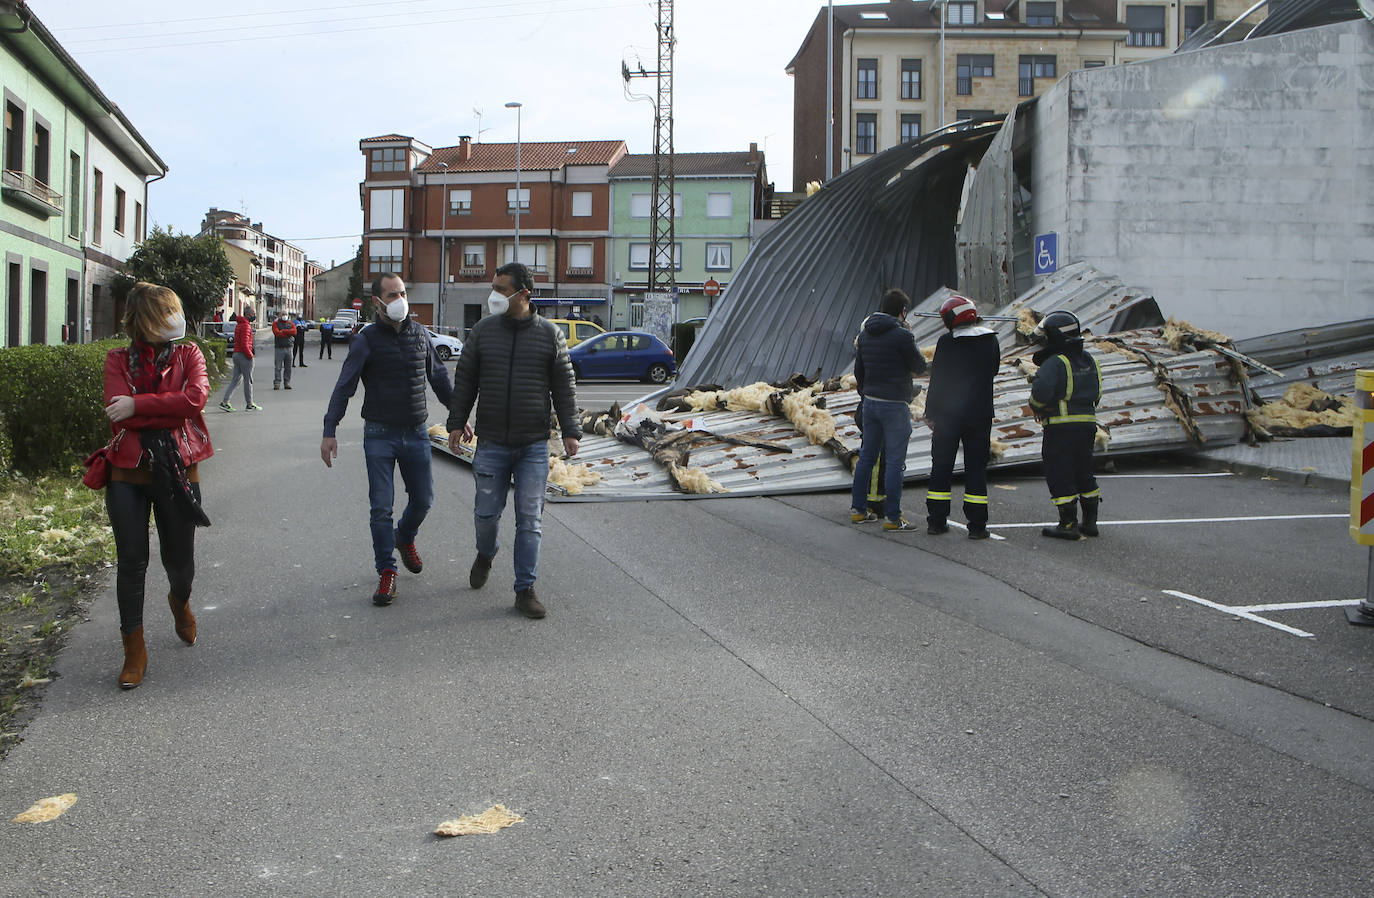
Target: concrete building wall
(1235, 183)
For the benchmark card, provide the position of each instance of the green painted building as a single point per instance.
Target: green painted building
(719, 209)
(73, 191)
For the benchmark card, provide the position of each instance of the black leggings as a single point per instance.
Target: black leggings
(127, 505)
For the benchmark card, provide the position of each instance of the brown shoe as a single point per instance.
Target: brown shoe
(527, 603)
(410, 557)
(481, 567)
(386, 589)
(185, 620)
(135, 659)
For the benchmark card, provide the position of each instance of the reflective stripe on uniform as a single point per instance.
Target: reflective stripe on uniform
(1072, 419)
(975, 500)
(1064, 500)
(875, 487)
(934, 494)
(1091, 494)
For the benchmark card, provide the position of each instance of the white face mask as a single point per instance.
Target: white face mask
(497, 304)
(397, 309)
(176, 328)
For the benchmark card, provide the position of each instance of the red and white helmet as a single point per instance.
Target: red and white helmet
(958, 310)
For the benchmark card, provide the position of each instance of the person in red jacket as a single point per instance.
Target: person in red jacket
(243, 362)
(155, 394)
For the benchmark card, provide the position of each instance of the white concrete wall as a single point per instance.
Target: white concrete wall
(1236, 184)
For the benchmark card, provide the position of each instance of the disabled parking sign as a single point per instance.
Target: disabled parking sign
(1046, 253)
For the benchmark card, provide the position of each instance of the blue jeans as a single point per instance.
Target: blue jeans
(494, 467)
(385, 448)
(887, 427)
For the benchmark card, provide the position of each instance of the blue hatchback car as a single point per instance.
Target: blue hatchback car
(623, 355)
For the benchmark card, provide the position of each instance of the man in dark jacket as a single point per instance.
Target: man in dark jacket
(886, 357)
(518, 363)
(394, 357)
(959, 410)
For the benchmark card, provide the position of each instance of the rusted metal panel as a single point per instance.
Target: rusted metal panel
(1201, 401)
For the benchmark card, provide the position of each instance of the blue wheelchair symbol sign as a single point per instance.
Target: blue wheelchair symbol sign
(1046, 253)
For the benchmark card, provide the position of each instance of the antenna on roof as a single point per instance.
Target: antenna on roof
(477, 112)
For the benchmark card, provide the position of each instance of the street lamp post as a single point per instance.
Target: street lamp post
(516, 106)
(443, 244)
(940, 5)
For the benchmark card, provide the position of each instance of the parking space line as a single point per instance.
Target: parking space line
(1164, 476)
(964, 527)
(1247, 612)
(1298, 606)
(1262, 517)
(1228, 609)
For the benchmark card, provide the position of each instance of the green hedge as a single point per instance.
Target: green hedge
(52, 409)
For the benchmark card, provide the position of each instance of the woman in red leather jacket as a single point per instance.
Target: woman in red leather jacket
(155, 391)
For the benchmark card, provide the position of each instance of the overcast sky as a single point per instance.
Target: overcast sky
(258, 106)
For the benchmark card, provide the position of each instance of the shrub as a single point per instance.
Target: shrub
(51, 408)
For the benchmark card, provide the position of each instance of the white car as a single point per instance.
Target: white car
(447, 347)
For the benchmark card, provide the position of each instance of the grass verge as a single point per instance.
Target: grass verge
(55, 546)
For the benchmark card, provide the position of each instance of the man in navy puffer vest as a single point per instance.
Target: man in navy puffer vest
(394, 357)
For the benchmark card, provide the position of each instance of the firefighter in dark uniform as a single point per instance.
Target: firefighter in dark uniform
(1064, 396)
(959, 411)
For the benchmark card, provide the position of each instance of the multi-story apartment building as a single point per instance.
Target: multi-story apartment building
(718, 201)
(74, 192)
(904, 67)
(280, 273)
(312, 270)
(453, 215)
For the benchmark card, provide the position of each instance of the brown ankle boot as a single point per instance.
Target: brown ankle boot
(185, 620)
(135, 659)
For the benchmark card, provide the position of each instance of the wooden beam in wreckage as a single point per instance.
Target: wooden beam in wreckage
(1155, 398)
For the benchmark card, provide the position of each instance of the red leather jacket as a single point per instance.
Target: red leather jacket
(176, 405)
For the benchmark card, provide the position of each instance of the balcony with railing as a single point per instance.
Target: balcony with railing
(25, 190)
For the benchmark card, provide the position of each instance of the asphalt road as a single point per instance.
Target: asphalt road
(729, 697)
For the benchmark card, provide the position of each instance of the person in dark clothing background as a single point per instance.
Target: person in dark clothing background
(518, 363)
(959, 411)
(299, 357)
(886, 359)
(393, 357)
(1064, 396)
(327, 338)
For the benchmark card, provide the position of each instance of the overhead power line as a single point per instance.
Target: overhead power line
(280, 34)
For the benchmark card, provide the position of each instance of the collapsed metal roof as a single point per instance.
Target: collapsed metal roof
(799, 297)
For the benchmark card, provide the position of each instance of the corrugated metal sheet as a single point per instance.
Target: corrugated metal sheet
(801, 294)
(985, 225)
(1155, 398)
(1327, 356)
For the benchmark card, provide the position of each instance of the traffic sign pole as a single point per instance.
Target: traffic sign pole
(1362, 490)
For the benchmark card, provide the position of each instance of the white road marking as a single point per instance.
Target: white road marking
(1238, 612)
(1296, 606)
(1162, 476)
(964, 527)
(1263, 517)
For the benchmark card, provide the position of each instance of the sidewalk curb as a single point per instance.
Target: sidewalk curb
(1312, 478)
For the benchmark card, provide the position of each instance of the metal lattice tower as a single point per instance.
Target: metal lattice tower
(662, 271)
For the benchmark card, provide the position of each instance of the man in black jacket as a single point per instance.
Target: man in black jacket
(394, 357)
(885, 360)
(518, 363)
